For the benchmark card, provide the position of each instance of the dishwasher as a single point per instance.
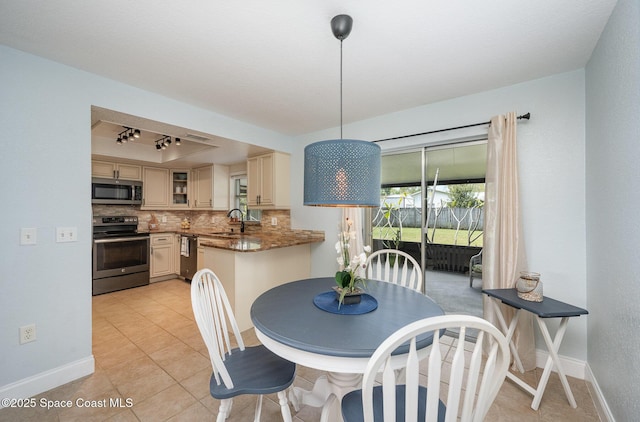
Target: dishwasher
(188, 256)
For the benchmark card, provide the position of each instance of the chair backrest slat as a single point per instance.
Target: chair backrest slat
(213, 314)
(470, 405)
(433, 383)
(472, 379)
(395, 266)
(456, 377)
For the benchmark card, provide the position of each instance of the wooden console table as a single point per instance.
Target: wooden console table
(548, 308)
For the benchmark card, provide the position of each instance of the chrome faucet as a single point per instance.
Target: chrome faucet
(241, 217)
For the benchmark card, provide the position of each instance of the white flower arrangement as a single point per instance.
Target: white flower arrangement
(347, 277)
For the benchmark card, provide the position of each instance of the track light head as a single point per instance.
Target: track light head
(136, 133)
(178, 142)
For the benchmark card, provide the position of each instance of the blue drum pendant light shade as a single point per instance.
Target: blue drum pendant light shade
(342, 172)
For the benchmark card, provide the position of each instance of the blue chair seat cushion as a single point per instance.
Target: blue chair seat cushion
(255, 370)
(352, 405)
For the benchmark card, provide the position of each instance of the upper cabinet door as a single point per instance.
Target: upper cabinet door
(211, 189)
(111, 170)
(268, 181)
(155, 188)
(129, 172)
(180, 189)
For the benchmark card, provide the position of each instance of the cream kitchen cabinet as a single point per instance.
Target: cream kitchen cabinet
(163, 255)
(180, 189)
(155, 189)
(211, 187)
(111, 170)
(268, 181)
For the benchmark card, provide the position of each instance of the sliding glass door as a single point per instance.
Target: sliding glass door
(432, 207)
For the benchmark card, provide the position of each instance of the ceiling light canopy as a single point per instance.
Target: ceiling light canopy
(342, 172)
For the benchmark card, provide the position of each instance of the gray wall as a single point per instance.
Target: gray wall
(45, 168)
(612, 163)
(551, 164)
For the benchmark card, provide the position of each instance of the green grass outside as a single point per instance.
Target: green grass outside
(443, 236)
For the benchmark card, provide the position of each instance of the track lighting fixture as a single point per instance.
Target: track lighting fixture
(127, 135)
(130, 134)
(164, 142)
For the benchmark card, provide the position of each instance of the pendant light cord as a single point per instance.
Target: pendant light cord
(341, 89)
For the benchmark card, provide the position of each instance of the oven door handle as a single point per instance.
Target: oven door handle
(120, 239)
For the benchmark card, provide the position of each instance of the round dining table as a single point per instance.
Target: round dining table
(294, 321)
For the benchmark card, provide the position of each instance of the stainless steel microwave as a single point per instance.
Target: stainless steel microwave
(116, 191)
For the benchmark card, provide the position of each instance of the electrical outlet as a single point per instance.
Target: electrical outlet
(274, 221)
(66, 234)
(164, 218)
(27, 333)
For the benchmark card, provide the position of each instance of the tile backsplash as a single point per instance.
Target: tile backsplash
(214, 220)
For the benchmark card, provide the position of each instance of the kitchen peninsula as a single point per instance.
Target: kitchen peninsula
(248, 264)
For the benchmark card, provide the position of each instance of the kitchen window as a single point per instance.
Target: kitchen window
(239, 196)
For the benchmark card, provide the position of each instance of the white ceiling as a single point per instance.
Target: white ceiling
(275, 63)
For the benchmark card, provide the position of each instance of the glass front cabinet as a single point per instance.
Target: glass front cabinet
(180, 189)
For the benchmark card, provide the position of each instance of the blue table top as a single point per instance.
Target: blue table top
(288, 315)
(548, 308)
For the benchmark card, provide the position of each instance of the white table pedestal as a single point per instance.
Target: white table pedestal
(327, 393)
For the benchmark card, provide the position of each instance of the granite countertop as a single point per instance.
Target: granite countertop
(251, 241)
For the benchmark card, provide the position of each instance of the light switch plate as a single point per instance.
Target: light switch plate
(28, 236)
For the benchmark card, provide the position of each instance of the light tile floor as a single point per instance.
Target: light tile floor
(149, 355)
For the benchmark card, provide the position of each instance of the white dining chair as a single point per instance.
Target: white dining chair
(394, 266)
(241, 370)
(472, 385)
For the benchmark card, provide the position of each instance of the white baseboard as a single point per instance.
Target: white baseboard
(581, 370)
(44, 381)
(572, 367)
(601, 404)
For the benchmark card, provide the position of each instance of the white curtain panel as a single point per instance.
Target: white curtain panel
(503, 255)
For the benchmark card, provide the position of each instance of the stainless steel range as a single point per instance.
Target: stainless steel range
(120, 254)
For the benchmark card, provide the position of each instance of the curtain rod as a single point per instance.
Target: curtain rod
(526, 116)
